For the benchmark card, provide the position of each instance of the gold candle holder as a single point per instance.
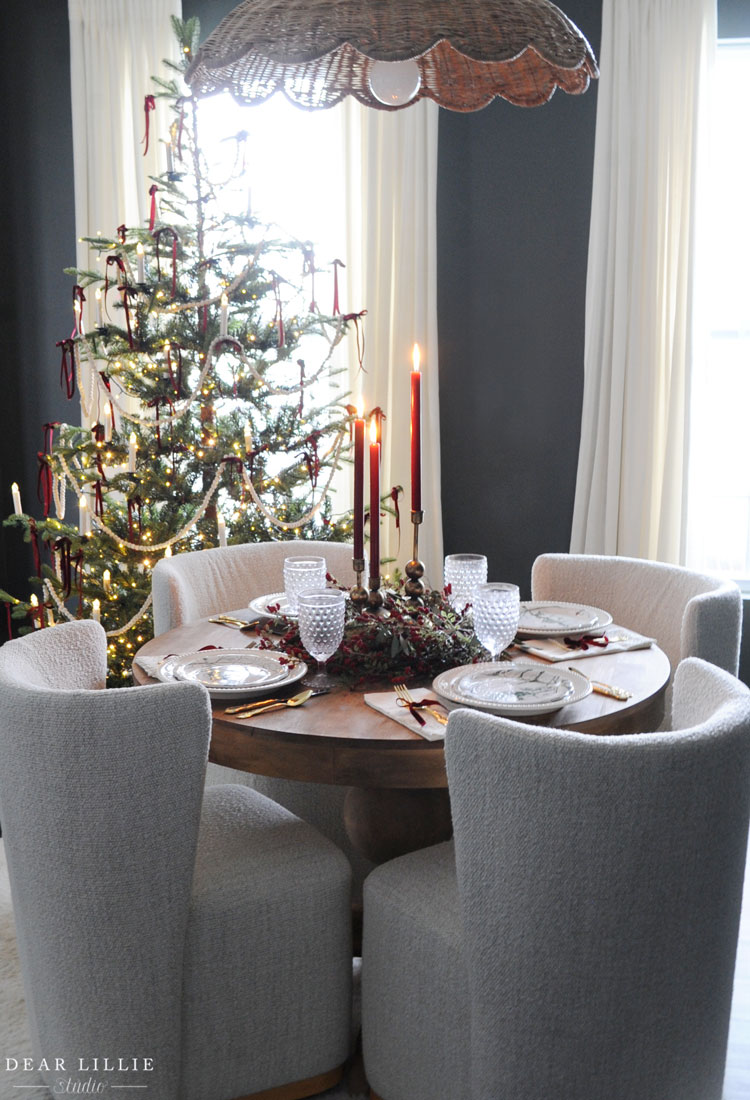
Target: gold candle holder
(357, 593)
(375, 596)
(414, 569)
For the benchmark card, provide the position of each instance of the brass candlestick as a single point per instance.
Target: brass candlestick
(375, 597)
(358, 594)
(414, 569)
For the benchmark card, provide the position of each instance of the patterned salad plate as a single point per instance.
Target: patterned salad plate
(261, 604)
(548, 619)
(511, 688)
(232, 673)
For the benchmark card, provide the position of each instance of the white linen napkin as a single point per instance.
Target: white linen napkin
(620, 641)
(149, 665)
(387, 703)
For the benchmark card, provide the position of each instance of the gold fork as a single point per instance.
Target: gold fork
(405, 696)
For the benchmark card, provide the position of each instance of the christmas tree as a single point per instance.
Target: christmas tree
(208, 385)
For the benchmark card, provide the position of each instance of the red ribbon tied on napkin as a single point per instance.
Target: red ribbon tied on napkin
(585, 641)
(416, 705)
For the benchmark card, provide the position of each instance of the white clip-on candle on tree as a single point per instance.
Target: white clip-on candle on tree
(224, 319)
(140, 260)
(16, 494)
(221, 527)
(132, 448)
(83, 516)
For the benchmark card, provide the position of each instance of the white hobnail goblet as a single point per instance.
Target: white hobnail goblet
(496, 611)
(464, 573)
(321, 625)
(302, 571)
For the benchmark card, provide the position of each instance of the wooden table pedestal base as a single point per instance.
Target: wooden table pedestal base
(383, 823)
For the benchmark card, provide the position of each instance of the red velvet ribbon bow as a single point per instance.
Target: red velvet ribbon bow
(122, 232)
(49, 432)
(44, 482)
(105, 379)
(62, 546)
(98, 499)
(35, 545)
(336, 265)
(585, 641)
(311, 458)
(360, 333)
(118, 261)
(416, 705)
(175, 381)
(154, 403)
(394, 497)
(128, 292)
(135, 505)
(149, 105)
(152, 213)
(67, 367)
(234, 465)
(157, 238)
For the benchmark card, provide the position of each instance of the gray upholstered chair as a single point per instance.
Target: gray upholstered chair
(690, 614)
(207, 935)
(205, 582)
(578, 942)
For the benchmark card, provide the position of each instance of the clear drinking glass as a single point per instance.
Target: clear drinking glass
(300, 572)
(321, 625)
(464, 573)
(496, 610)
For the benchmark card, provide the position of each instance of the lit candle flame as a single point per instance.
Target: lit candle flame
(415, 357)
(373, 429)
(360, 408)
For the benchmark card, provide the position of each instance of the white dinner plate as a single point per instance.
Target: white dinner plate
(552, 619)
(233, 673)
(511, 687)
(261, 604)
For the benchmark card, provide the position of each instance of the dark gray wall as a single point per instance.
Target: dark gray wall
(514, 195)
(38, 241)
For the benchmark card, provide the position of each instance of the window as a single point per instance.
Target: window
(719, 481)
(286, 166)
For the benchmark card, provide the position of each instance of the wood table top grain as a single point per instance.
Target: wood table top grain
(336, 738)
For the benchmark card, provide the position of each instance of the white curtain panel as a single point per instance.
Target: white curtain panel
(116, 46)
(632, 471)
(392, 273)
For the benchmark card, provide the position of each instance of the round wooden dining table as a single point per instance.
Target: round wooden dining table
(398, 786)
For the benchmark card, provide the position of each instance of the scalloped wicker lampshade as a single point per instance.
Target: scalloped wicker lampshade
(460, 53)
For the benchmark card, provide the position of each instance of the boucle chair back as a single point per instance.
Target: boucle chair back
(690, 614)
(600, 884)
(205, 582)
(100, 797)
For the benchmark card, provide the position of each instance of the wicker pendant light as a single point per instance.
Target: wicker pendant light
(390, 53)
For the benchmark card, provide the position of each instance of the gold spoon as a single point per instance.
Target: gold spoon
(249, 711)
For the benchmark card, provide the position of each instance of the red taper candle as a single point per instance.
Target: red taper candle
(374, 500)
(416, 433)
(359, 485)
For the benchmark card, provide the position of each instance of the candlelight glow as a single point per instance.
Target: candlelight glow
(139, 249)
(33, 600)
(360, 407)
(373, 429)
(415, 357)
